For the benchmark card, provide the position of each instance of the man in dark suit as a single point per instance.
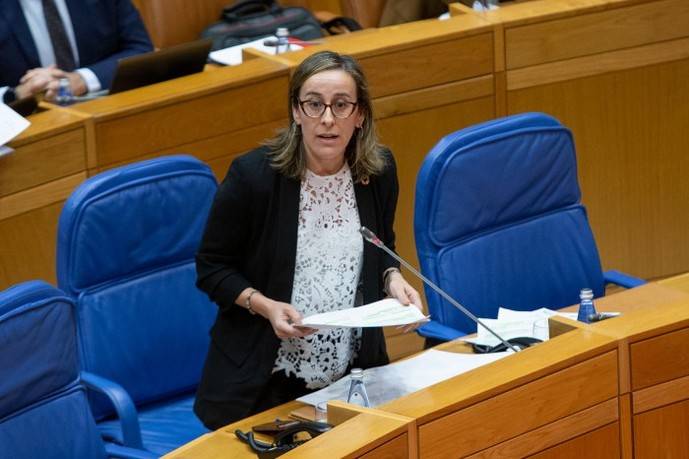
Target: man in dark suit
(42, 41)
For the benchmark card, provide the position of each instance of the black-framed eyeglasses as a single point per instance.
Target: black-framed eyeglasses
(314, 108)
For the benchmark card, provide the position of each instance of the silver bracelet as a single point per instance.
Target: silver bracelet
(247, 303)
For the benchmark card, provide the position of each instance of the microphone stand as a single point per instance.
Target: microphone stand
(370, 236)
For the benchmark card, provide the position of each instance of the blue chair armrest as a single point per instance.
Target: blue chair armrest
(124, 452)
(124, 406)
(622, 279)
(436, 330)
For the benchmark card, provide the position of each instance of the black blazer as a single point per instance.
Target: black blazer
(250, 240)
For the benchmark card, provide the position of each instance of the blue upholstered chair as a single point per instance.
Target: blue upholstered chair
(43, 407)
(498, 221)
(125, 254)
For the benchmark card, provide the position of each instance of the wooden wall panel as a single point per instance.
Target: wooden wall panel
(662, 432)
(27, 246)
(631, 132)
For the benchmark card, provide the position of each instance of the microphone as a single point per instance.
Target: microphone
(369, 236)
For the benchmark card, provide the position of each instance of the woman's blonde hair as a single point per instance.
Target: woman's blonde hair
(363, 153)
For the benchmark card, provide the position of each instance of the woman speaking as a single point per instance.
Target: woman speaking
(282, 242)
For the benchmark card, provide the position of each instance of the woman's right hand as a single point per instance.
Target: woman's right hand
(283, 317)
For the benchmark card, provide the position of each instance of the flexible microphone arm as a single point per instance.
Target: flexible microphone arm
(373, 239)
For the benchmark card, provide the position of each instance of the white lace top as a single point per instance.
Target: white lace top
(326, 275)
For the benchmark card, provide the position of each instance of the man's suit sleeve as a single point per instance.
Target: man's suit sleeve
(132, 39)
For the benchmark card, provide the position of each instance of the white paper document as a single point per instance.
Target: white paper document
(389, 382)
(513, 324)
(384, 313)
(11, 124)
(233, 54)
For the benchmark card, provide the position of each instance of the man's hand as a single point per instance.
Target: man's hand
(46, 79)
(76, 83)
(36, 81)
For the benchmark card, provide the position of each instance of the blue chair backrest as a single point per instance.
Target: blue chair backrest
(43, 408)
(498, 220)
(126, 244)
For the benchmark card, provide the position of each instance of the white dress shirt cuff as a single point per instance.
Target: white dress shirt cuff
(92, 81)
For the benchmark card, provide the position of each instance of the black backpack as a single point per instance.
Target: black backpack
(249, 20)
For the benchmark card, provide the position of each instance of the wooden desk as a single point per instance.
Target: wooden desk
(617, 388)
(48, 162)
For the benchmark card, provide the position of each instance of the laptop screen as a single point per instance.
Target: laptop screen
(156, 66)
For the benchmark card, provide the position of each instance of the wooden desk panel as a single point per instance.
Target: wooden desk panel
(442, 62)
(565, 436)
(597, 32)
(393, 449)
(601, 443)
(172, 115)
(54, 146)
(351, 439)
(178, 124)
(521, 409)
(662, 432)
(660, 359)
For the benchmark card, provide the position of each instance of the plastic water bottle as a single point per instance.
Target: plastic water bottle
(64, 92)
(283, 40)
(357, 390)
(586, 307)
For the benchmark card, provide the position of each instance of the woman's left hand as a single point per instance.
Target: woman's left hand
(400, 289)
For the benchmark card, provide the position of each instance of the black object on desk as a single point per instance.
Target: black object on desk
(25, 106)
(162, 65)
(284, 436)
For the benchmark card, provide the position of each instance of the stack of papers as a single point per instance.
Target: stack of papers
(513, 324)
(389, 382)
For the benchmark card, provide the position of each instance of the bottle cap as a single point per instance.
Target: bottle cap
(357, 373)
(282, 32)
(586, 294)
